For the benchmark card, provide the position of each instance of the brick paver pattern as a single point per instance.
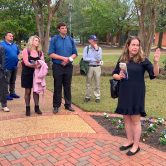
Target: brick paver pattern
(72, 152)
(66, 148)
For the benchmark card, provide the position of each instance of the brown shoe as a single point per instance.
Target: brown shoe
(97, 100)
(86, 100)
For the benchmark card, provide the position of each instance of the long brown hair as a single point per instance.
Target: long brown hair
(138, 58)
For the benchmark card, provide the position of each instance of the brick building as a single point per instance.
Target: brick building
(163, 41)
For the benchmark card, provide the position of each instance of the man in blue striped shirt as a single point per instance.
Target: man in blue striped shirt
(93, 54)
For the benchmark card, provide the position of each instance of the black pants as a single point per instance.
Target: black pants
(3, 89)
(62, 78)
(11, 78)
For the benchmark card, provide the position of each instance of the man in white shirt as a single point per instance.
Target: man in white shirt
(93, 54)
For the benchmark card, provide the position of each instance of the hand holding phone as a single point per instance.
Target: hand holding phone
(123, 68)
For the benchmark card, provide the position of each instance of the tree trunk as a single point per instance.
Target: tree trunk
(47, 33)
(146, 12)
(159, 45)
(108, 38)
(40, 13)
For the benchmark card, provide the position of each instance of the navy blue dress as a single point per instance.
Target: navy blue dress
(131, 100)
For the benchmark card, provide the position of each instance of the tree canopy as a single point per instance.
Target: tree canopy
(18, 17)
(105, 18)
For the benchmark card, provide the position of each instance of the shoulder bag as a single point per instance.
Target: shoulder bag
(114, 88)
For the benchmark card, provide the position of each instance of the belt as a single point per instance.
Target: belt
(94, 65)
(69, 64)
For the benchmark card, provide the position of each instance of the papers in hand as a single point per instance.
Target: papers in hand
(101, 63)
(123, 67)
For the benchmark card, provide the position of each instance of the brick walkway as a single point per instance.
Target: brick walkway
(85, 143)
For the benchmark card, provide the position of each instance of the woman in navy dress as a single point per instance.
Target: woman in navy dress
(131, 98)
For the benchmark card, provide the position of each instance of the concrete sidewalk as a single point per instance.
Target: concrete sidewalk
(64, 139)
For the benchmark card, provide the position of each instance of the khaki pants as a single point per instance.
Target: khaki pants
(93, 73)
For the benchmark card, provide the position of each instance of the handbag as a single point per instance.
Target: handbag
(114, 88)
(84, 67)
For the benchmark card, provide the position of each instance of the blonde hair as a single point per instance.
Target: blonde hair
(138, 58)
(30, 41)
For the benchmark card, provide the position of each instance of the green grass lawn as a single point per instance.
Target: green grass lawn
(110, 56)
(155, 96)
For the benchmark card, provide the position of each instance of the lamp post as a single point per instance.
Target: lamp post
(70, 9)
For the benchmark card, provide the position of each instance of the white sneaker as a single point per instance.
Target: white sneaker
(6, 109)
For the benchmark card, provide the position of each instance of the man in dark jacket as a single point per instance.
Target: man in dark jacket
(3, 82)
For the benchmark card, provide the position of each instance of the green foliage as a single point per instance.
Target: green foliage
(162, 138)
(106, 115)
(160, 121)
(99, 17)
(113, 121)
(107, 16)
(161, 19)
(118, 122)
(164, 62)
(17, 16)
(120, 126)
(152, 127)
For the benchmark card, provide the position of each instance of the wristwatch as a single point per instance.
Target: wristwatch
(70, 59)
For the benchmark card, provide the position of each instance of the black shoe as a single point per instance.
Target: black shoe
(129, 153)
(125, 147)
(97, 100)
(69, 109)
(8, 97)
(14, 95)
(55, 110)
(28, 112)
(86, 100)
(37, 110)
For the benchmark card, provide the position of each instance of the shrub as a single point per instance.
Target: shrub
(160, 121)
(164, 62)
(152, 127)
(162, 138)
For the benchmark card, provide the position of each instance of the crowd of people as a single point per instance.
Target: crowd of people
(62, 51)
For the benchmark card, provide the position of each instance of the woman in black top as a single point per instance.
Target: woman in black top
(132, 89)
(31, 54)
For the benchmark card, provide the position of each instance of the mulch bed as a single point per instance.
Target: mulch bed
(150, 138)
